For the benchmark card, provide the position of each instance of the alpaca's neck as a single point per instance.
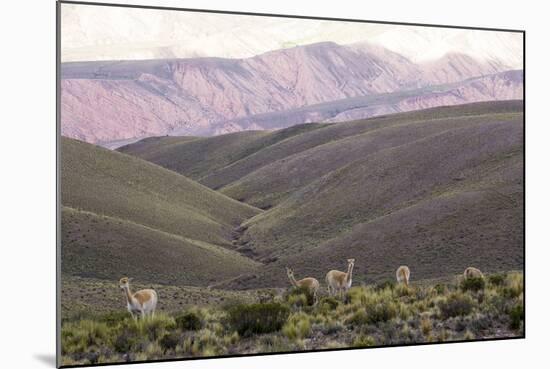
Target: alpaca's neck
(350, 270)
(129, 296)
(293, 281)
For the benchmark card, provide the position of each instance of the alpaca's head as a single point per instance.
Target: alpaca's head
(351, 262)
(289, 272)
(124, 282)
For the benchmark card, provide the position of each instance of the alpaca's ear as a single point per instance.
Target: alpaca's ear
(130, 279)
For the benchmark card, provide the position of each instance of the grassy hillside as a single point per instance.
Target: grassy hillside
(109, 183)
(104, 247)
(439, 204)
(199, 157)
(437, 189)
(224, 167)
(272, 183)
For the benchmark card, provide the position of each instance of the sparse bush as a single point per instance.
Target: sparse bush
(188, 321)
(275, 343)
(358, 319)
(440, 288)
(83, 336)
(426, 326)
(497, 280)
(383, 285)
(155, 327)
(169, 341)
(257, 318)
(516, 316)
(300, 297)
(456, 304)
(126, 340)
(382, 312)
(298, 326)
(514, 285)
(328, 303)
(114, 318)
(472, 284)
(363, 341)
(468, 335)
(332, 327)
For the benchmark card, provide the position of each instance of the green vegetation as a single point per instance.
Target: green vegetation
(373, 315)
(188, 321)
(253, 319)
(472, 284)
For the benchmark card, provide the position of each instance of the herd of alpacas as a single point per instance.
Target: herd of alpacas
(144, 302)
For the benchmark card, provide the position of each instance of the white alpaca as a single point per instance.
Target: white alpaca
(472, 272)
(311, 284)
(142, 303)
(339, 282)
(402, 274)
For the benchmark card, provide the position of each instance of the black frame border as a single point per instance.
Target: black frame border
(58, 176)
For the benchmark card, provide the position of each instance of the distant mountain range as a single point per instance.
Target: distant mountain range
(106, 101)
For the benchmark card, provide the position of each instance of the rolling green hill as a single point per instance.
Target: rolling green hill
(113, 184)
(123, 215)
(438, 204)
(99, 246)
(199, 157)
(438, 189)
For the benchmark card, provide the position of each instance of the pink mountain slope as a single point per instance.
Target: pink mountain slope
(108, 101)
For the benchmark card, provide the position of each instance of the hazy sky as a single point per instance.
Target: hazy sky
(113, 33)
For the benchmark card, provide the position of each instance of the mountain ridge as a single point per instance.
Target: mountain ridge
(119, 100)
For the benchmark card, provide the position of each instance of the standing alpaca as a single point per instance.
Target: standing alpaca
(472, 272)
(143, 302)
(402, 275)
(339, 282)
(311, 284)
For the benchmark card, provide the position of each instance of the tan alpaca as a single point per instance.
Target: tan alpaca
(403, 274)
(311, 284)
(472, 272)
(142, 303)
(339, 282)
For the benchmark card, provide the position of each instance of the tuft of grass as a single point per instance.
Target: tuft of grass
(517, 316)
(497, 280)
(188, 321)
(300, 297)
(84, 336)
(257, 318)
(426, 326)
(298, 326)
(363, 341)
(513, 286)
(472, 284)
(456, 304)
(383, 285)
(169, 341)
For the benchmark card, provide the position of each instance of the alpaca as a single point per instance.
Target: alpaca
(311, 284)
(402, 274)
(340, 282)
(472, 272)
(143, 302)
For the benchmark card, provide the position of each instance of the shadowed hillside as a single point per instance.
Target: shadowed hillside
(113, 184)
(199, 157)
(438, 189)
(98, 246)
(123, 215)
